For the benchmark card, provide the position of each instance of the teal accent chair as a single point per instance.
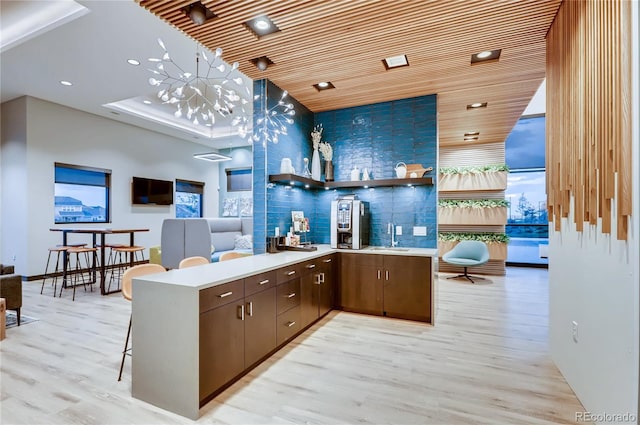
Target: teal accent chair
(467, 254)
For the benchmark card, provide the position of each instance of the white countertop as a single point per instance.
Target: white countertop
(201, 277)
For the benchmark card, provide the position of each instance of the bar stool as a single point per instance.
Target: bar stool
(136, 271)
(119, 251)
(78, 267)
(54, 279)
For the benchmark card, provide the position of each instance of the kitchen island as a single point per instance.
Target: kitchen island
(197, 330)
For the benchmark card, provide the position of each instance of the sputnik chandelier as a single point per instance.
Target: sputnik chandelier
(273, 120)
(213, 91)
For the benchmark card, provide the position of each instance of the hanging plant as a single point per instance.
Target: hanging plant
(474, 169)
(482, 237)
(473, 203)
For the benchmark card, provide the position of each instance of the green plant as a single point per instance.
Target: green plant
(482, 237)
(473, 203)
(474, 169)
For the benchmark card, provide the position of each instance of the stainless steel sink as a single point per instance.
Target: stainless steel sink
(384, 248)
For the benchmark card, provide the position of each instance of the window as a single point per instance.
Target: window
(527, 224)
(238, 179)
(189, 198)
(81, 194)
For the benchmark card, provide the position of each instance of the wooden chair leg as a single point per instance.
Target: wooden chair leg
(124, 352)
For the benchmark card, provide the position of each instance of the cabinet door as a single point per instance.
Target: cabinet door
(221, 347)
(327, 284)
(360, 283)
(309, 297)
(407, 287)
(259, 326)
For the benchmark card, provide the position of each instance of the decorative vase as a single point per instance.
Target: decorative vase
(328, 171)
(315, 165)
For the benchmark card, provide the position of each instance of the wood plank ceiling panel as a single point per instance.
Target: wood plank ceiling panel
(344, 41)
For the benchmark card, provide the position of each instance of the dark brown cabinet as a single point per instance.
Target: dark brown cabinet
(391, 285)
(407, 287)
(259, 326)
(329, 265)
(361, 283)
(221, 348)
(317, 288)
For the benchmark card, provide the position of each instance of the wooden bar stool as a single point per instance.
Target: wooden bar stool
(54, 279)
(130, 256)
(78, 267)
(127, 293)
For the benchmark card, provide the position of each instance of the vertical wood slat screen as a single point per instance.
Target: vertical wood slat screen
(589, 113)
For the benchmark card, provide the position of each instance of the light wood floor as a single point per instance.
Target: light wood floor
(485, 362)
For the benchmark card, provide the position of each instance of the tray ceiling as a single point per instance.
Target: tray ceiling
(344, 42)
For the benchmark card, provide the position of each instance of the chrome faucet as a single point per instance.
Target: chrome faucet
(391, 229)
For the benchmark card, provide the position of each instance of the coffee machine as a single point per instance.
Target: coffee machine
(349, 223)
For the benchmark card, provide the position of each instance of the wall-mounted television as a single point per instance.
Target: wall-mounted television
(151, 191)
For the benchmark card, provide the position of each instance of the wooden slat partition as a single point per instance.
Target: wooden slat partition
(589, 114)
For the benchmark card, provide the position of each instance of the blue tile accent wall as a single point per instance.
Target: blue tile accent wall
(373, 136)
(377, 137)
(260, 177)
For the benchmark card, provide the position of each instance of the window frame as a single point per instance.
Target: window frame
(107, 186)
(229, 173)
(198, 188)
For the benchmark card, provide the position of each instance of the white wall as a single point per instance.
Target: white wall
(59, 134)
(594, 280)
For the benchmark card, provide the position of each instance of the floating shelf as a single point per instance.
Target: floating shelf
(299, 181)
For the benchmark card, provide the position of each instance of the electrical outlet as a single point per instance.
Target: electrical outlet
(14, 258)
(574, 331)
(399, 230)
(419, 230)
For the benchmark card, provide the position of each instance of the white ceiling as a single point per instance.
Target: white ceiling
(91, 51)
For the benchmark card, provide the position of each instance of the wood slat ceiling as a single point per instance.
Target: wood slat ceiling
(344, 41)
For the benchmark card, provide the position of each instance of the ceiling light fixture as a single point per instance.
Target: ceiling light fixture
(486, 56)
(198, 13)
(212, 156)
(324, 85)
(262, 63)
(146, 102)
(66, 83)
(395, 62)
(261, 26)
(477, 105)
(272, 122)
(133, 62)
(202, 97)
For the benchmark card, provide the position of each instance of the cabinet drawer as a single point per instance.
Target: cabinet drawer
(259, 282)
(285, 274)
(288, 324)
(310, 266)
(220, 295)
(288, 295)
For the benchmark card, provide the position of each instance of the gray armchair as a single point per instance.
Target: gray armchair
(11, 289)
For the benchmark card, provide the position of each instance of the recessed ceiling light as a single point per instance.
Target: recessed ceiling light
(262, 63)
(212, 156)
(324, 85)
(66, 83)
(198, 13)
(486, 56)
(261, 26)
(395, 61)
(477, 105)
(146, 102)
(133, 62)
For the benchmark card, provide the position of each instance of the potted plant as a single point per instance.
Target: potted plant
(496, 242)
(489, 212)
(485, 177)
